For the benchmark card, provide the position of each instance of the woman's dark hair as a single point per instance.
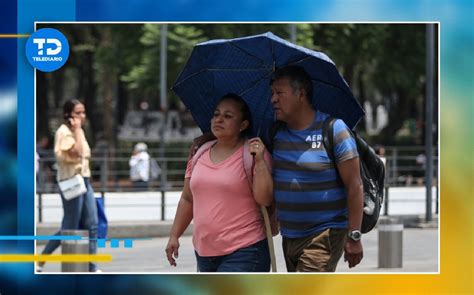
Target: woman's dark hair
(244, 109)
(69, 107)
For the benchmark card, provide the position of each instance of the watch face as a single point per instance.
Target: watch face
(355, 235)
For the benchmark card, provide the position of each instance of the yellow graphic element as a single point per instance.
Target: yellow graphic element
(14, 35)
(55, 258)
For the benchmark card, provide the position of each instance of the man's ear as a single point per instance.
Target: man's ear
(244, 125)
(302, 94)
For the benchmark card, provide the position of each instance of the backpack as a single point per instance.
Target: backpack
(372, 173)
(155, 169)
(268, 213)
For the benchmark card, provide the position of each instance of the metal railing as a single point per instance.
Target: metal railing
(110, 173)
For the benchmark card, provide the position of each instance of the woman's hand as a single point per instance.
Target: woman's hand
(256, 148)
(172, 250)
(262, 184)
(75, 123)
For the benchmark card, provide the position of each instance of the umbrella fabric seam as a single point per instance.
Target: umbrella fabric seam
(246, 52)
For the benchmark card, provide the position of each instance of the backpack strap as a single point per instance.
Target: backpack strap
(268, 232)
(201, 150)
(277, 125)
(249, 164)
(328, 137)
(328, 141)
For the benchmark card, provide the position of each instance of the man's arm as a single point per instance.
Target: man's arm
(350, 175)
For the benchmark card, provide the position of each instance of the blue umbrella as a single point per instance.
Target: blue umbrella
(245, 66)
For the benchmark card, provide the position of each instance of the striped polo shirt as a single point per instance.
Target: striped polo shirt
(309, 194)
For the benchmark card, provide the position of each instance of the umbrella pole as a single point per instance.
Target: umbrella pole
(259, 130)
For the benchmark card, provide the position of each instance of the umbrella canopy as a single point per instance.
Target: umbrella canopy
(245, 66)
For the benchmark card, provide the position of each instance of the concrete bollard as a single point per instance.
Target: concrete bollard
(75, 247)
(390, 243)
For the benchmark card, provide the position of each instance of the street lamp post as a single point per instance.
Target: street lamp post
(429, 118)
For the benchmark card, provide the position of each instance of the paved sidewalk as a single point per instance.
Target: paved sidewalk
(420, 254)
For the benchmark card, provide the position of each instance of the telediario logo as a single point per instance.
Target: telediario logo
(40, 42)
(47, 50)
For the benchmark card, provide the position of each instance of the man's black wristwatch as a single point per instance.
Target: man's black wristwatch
(355, 235)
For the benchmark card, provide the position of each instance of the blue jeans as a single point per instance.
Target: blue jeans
(254, 258)
(79, 213)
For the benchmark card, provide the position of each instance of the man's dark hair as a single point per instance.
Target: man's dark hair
(244, 109)
(298, 78)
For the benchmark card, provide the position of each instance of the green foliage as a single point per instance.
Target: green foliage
(383, 64)
(142, 77)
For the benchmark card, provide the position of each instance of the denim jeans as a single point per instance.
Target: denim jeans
(79, 213)
(254, 258)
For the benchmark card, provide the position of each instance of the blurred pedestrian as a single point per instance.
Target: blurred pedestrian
(142, 167)
(380, 151)
(420, 168)
(37, 163)
(73, 155)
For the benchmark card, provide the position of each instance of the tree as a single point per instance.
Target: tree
(385, 59)
(113, 67)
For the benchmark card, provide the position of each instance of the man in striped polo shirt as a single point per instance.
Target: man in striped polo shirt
(319, 209)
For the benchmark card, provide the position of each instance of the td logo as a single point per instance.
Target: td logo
(40, 42)
(47, 50)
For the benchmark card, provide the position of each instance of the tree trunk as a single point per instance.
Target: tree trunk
(400, 111)
(122, 102)
(89, 93)
(58, 89)
(42, 106)
(109, 90)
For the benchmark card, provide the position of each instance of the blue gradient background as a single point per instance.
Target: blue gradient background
(457, 165)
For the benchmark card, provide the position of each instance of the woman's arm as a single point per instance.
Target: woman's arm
(262, 178)
(183, 217)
